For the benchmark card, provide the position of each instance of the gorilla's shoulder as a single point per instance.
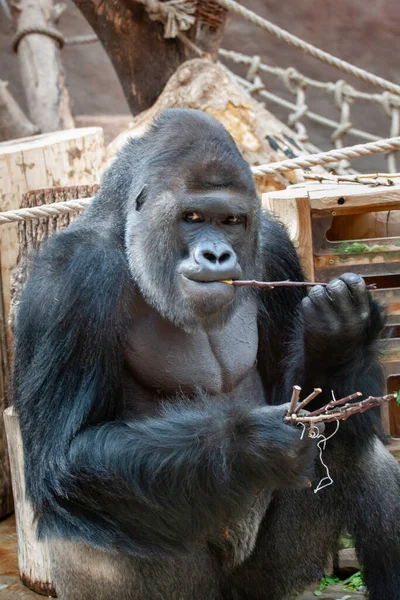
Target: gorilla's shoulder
(81, 249)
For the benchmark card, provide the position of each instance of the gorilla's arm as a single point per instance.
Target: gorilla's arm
(149, 485)
(325, 340)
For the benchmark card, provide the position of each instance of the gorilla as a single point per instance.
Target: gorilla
(151, 396)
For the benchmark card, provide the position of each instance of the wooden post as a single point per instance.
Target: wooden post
(33, 555)
(38, 45)
(74, 157)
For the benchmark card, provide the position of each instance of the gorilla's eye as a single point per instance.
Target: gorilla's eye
(193, 217)
(232, 220)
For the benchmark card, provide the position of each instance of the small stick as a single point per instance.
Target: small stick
(333, 403)
(273, 284)
(307, 400)
(294, 400)
(342, 413)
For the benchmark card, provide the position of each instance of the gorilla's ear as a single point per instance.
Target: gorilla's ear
(141, 198)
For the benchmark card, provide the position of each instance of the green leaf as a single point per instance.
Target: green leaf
(317, 593)
(354, 582)
(332, 580)
(398, 398)
(346, 541)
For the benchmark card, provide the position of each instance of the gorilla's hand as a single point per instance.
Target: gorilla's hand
(339, 320)
(286, 455)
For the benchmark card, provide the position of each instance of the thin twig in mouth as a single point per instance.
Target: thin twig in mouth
(273, 284)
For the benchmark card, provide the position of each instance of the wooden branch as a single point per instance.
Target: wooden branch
(273, 284)
(13, 121)
(334, 403)
(41, 69)
(295, 398)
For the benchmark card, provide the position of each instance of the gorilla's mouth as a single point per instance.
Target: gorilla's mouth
(209, 280)
(208, 287)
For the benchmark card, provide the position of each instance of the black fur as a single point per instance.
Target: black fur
(118, 468)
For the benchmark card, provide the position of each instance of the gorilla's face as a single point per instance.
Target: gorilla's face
(212, 230)
(194, 223)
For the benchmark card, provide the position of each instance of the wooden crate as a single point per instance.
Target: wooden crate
(308, 210)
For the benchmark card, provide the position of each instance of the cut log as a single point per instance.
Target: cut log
(33, 233)
(142, 58)
(33, 555)
(74, 157)
(38, 45)
(206, 86)
(13, 122)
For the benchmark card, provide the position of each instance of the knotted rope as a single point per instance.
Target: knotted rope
(321, 55)
(50, 32)
(177, 15)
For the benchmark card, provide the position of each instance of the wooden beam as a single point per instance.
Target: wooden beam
(354, 199)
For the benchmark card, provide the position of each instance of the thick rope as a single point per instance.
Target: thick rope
(309, 114)
(291, 74)
(50, 32)
(46, 210)
(321, 55)
(306, 162)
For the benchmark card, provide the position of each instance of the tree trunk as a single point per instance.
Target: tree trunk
(143, 59)
(39, 57)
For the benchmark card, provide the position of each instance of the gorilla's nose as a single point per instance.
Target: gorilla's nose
(215, 257)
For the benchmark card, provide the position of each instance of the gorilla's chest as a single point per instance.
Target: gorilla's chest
(164, 357)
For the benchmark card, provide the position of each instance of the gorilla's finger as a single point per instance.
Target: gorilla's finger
(308, 307)
(317, 316)
(358, 290)
(318, 296)
(338, 292)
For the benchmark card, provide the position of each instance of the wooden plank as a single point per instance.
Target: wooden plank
(295, 214)
(305, 249)
(343, 199)
(354, 199)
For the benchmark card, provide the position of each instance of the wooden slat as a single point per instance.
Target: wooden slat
(354, 199)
